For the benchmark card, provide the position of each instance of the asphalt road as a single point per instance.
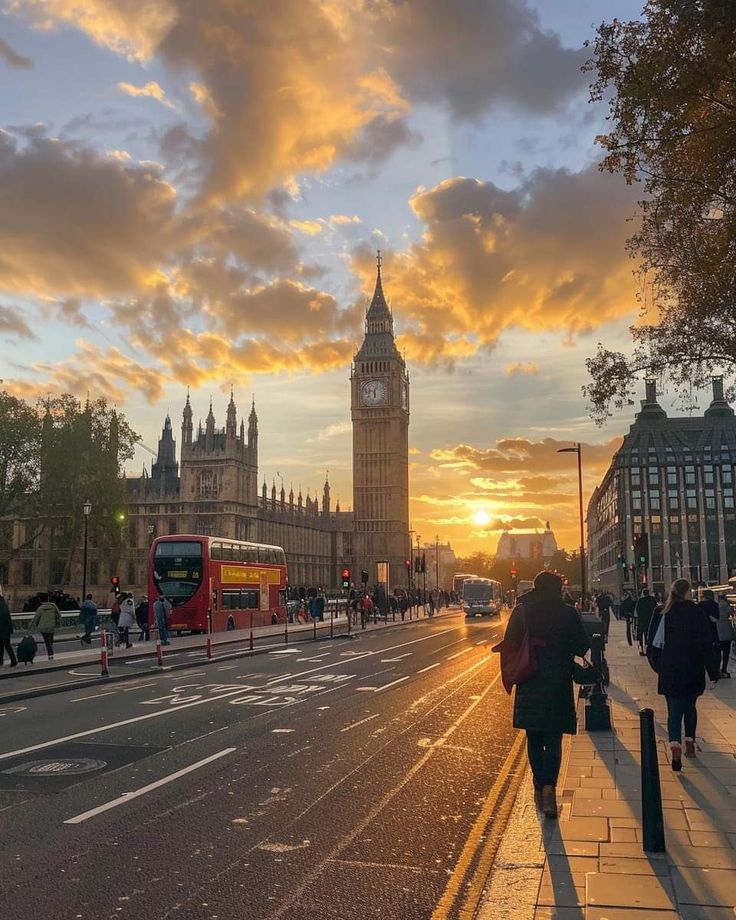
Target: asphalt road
(327, 780)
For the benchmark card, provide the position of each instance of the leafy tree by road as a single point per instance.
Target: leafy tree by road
(670, 81)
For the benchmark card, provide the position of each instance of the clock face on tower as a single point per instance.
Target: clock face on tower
(374, 393)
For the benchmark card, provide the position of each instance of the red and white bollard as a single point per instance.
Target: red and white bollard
(104, 671)
(208, 645)
(159, 653)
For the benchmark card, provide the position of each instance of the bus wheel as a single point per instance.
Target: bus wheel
(230, 624)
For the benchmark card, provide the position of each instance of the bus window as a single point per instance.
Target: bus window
(216, 552)
(227, 552)
(240, 553)
(251, 600)
(251, 553)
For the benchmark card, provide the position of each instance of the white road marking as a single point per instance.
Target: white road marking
(282, 731)
(150, 683)
(362, 722)
(111, 725)
(366, 688)
(392, 684)
(92, 696)
(458, 654)
(129, 796)
(405, 655)
(228, 667)
(286, 651)
(435, 665)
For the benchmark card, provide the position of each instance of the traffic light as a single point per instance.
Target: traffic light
(622, 564)
(115, 582)
(514, 573)
(407, 563)
(345, 575)
(364, 577)
(641, 549)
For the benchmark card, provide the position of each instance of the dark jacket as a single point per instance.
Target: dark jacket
(546, 702)
(627, 607)
(141, 614)
(645, 607)
(6, 624)
(687, 652)
(713, 614)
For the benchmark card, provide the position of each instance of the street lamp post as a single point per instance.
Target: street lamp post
(87, 508)
(578, 450)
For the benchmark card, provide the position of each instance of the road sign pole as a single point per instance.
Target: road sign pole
(104, 671)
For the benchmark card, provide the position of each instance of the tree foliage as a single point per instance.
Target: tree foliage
(670, 82)
(57, 455)
(20, 435)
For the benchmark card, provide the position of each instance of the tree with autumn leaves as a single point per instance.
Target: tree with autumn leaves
(670, 83)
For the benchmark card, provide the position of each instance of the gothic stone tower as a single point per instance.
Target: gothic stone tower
(219, 475)
(380, 414)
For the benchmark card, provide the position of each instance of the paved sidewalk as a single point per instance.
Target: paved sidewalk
(590, 865)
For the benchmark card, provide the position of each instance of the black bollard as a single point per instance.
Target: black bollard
(652, 818)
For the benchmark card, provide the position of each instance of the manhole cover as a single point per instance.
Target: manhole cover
(67, 767)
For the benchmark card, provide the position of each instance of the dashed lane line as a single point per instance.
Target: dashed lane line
(429, 667)
(129, 796)
(463, 651)
(362, 722)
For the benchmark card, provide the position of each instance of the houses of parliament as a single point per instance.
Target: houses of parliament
(213, 488)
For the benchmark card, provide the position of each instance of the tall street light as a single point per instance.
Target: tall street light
(87, 508)
(578, 450)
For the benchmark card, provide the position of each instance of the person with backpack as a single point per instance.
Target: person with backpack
(645, 607)
(544, 704)
(603, 603)
(46, 620)
(88, 618)
(6, 631)
(679, 649)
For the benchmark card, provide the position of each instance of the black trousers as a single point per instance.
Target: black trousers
(48, 641)
(725, 653)
(544, 750)
(5, 646)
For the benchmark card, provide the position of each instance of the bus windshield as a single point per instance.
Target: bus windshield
(177, 570)
(474, 591)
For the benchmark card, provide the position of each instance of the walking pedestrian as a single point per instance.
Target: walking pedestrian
(725, 633)
(319, 606)
(626, 611)
(6, 631)
(126, 620)
(679, 650)
(141, 618)
(603, 603)
(161, 611)
(47, 620)
(88, 618)
(645, 607)
(544, 705)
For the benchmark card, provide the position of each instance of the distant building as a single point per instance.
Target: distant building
(527, 544)
(673, 479)
(447, 563)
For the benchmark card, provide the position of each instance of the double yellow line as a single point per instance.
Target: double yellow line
(465, 886)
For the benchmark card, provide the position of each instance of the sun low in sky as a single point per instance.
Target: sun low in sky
(193, 194)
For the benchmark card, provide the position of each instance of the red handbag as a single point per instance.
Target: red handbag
(518, 661)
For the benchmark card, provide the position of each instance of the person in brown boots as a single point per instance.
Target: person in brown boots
(544, 704)
(680, 650)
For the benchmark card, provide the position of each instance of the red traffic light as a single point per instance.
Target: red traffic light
(407, 563)
(345, 574)
(115, 581)
(514, 573)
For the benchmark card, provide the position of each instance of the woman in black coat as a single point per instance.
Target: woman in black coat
(681, 658)
(545, 704)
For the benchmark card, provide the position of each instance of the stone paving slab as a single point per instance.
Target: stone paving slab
(590, 864)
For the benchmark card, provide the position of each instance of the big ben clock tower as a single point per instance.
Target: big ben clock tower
(380, 414)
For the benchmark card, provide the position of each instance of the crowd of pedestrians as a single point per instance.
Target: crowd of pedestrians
(684, 643)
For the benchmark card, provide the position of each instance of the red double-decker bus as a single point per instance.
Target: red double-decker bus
(230, 582)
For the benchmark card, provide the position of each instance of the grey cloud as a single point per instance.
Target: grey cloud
(13, 324)
(12, 58)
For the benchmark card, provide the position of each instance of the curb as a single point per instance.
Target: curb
(53, 689)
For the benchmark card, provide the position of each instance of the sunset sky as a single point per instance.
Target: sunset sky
(193, 192)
